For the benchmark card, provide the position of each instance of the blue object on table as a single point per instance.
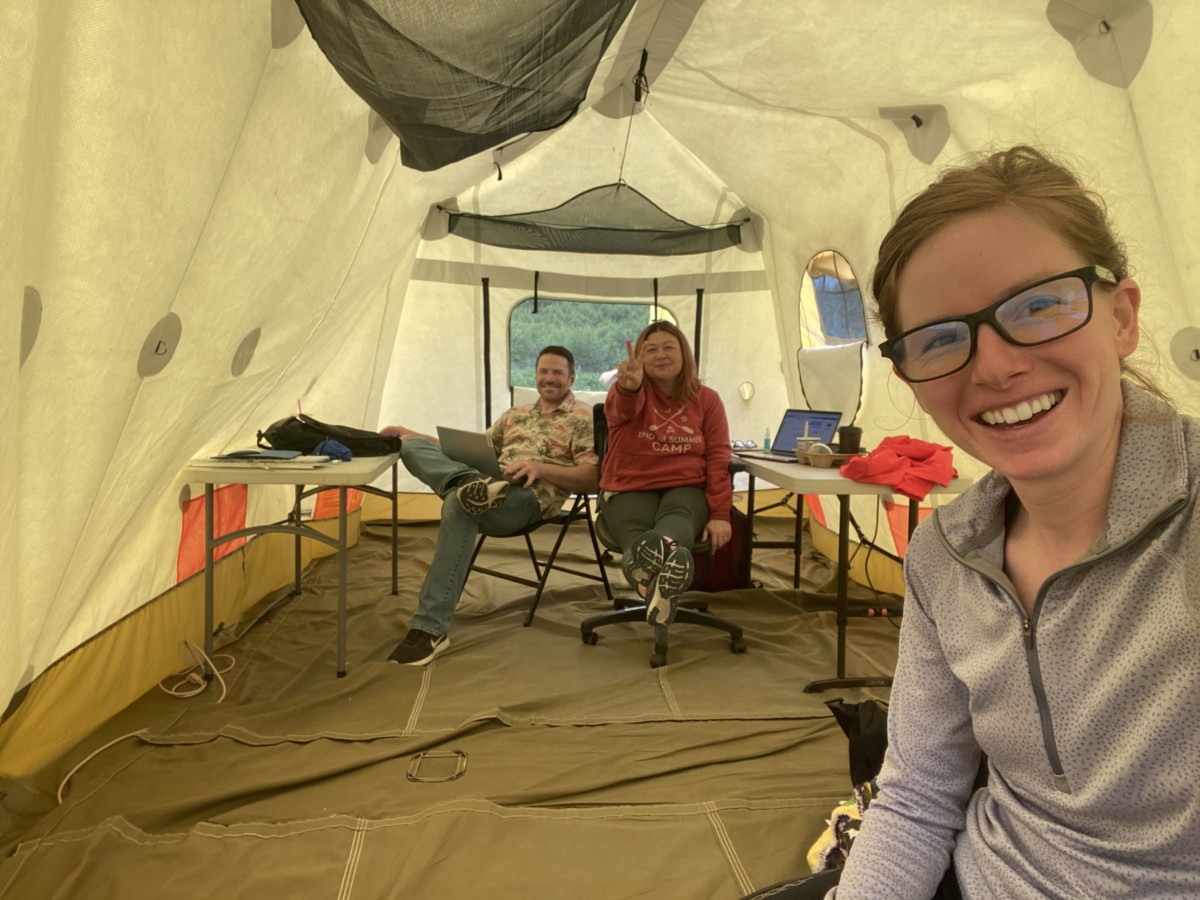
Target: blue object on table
(333, 449)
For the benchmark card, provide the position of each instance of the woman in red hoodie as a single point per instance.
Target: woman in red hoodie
(665, 480)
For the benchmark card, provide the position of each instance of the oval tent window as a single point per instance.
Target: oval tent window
(831, 304)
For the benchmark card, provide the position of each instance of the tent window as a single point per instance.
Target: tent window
(831, 304)
(594, 331)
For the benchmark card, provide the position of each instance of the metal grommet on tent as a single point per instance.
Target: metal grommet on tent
(1185, 352)
(160, 345)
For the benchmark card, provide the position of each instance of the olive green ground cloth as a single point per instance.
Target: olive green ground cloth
(582, 772)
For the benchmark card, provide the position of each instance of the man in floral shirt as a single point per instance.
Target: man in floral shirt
(545, 452)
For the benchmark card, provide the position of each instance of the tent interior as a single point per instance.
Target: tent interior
(349, 206)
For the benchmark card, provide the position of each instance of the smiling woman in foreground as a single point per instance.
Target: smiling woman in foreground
(1052, 613)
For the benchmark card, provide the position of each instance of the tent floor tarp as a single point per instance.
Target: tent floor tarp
(587, 773)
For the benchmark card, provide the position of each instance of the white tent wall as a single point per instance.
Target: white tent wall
(202, 166)
(112, 196)
(828, 171)
(171, 167)
(16, 25)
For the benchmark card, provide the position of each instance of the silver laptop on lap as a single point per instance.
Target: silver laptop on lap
(470, 447)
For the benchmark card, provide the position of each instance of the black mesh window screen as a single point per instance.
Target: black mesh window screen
(613, 218)
(455, 77)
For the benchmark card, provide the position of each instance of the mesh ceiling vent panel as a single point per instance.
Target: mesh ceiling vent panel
(612, 218)
(455, 77)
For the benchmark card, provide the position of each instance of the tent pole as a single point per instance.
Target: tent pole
(487, 354)
(699, 318)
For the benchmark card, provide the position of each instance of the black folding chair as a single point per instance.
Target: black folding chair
(580, 509)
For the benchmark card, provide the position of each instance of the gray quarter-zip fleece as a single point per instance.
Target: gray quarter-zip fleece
(1088, 709)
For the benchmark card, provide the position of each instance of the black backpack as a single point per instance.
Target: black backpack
(303, 433)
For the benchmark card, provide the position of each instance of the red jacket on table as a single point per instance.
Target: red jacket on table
(654, 443)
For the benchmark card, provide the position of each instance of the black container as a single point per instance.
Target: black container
(849, 439)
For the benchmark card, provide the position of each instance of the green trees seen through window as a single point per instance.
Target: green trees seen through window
(594, 331)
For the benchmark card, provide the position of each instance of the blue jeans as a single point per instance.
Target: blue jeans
(459, 529)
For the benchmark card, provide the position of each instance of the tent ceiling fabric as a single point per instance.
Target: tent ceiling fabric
(611, 218)
(455, 78)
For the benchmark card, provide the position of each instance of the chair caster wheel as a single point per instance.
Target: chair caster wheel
(590, 638)
(657, 660)
(737, 646)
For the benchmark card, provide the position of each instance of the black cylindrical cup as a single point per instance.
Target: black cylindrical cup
(849, 439)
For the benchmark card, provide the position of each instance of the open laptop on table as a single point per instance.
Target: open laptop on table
(470, 447)
(820, 425)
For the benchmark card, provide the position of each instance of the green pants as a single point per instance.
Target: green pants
(679, 513)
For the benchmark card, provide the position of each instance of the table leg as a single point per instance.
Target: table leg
(209, 540)
(395, 533)
(843, 580)
(799, 534)
(342, 571)
(795, 546)
(296, 522)
(843, 589)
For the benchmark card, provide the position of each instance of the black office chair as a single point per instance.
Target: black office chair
(689, 611)
(580, 510)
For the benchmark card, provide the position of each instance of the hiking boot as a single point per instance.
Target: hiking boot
(480, 495)
(675, 578)
(644, 560)
(419, 647)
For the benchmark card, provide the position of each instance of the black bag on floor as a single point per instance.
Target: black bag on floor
(730, 566)
(865, 725)
(303, 433)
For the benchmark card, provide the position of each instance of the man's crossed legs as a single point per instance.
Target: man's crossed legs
(470, 505)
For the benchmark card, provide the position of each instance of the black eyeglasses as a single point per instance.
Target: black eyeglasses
(1043, 312)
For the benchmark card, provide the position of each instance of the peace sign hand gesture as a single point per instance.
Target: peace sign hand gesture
(629, 371)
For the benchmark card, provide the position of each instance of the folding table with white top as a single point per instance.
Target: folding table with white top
(357, 473)
(802, 479)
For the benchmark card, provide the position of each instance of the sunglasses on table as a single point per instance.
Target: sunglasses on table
(1043, 312)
